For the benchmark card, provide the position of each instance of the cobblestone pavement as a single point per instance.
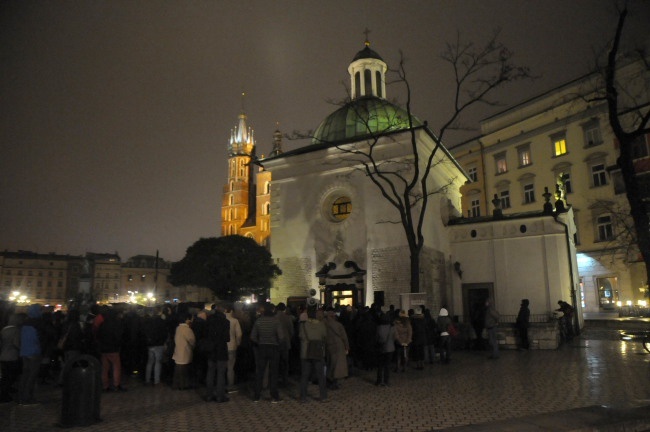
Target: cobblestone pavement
(596, 369)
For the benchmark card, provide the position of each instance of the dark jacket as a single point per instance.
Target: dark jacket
(155, 331)
(523, 317)
(218, 333)
(73, 334)
(419, 330)
(109, 334)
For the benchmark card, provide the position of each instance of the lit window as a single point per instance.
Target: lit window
(598, 175)
(529, 193)
(500, 161)
(604, 226)
(523, 153)
(475, 208)
(473, 174)
(560, 147)
(505, 199)
(341, 208)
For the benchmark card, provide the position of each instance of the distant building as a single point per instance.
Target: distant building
(147, 281)
(51, 279)
(563, 137)
(246, 202)
(29, 277)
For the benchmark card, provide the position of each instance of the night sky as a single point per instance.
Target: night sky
(115, 115)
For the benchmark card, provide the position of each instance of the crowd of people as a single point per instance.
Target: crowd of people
(219, 346)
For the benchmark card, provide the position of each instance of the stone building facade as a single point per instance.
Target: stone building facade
(563, 137)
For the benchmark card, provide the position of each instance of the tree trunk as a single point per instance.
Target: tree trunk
(638, 209)
(415, 271)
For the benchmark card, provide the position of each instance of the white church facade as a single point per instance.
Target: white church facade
(339, 240)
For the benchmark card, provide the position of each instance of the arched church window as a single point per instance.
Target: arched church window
(378, 84)
(267, 188)
(341, 208)
(357, 84)
(367, 78)
(267, 208)
(232, 199)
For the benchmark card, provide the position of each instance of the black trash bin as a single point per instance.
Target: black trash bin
(82, 390)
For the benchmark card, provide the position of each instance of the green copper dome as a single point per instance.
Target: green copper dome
(360, 118)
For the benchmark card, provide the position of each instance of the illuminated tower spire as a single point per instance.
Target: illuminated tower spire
(242, 138)
(367, 73)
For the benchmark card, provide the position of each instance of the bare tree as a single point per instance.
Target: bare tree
(405, 182)
(629, 123)
(617, 230)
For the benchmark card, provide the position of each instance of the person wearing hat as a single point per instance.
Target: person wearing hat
(445, 339)
(522, 323)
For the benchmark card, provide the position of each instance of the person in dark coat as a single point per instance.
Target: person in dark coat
(432, 336)
(48, 346)
(10, 355)
(477, 314)
(109, 339)
(155, 330)
(72, 339)
(366, 329)
(522, 323)
(218, 334)
(418, 326)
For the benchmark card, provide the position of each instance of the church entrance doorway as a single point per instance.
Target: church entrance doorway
(345, 287)
(474, 296)
(342, 294)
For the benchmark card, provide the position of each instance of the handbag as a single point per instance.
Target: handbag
(315, 348)
(452, 330)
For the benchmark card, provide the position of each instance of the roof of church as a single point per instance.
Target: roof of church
(363, 117)
(366, 52)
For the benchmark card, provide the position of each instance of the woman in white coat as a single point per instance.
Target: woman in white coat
(184, 342)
